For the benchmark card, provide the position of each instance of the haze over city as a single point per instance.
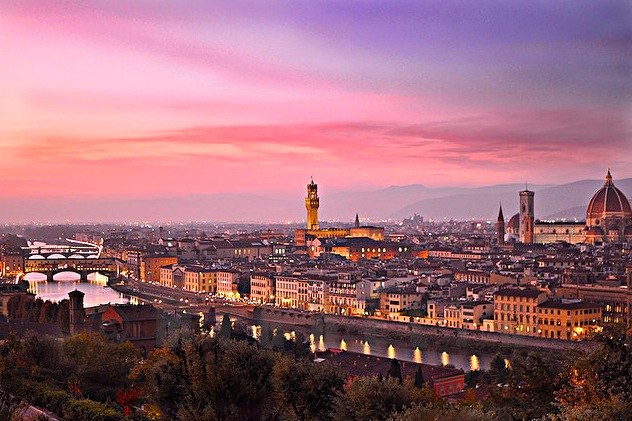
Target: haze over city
(149, 100)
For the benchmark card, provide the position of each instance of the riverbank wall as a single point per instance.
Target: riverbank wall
(415, 333)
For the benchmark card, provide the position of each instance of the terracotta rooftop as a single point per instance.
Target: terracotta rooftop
(361, 365)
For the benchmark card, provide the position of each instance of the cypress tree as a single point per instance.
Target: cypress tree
(419, 378)
(395, 371)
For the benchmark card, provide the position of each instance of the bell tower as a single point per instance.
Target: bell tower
(311, 203)
(527, 216)
(500, 227)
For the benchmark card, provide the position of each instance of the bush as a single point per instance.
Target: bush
(85, 409)
(54, 400)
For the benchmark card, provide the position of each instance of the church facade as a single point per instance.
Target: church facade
(608, 221)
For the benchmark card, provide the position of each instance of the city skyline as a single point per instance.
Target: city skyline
(157, 99)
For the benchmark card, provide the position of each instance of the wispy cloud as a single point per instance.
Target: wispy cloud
(149, 97)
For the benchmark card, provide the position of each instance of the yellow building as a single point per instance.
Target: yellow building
(191, 278)
(286, 291)
(291, 292)
(200, 279)
(395, 299)
(568, 319)
(12, 264)
(262, 288)
(150, 266)
(227, 282)
(515, 310)
(166, 275)
(468, 315)
(343, 297)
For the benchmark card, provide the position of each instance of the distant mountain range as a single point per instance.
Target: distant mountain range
(394, 203)
(565, 201)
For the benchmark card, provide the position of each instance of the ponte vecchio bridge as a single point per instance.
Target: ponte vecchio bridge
(82, 259)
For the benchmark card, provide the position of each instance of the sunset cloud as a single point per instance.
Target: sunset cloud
(157, 98)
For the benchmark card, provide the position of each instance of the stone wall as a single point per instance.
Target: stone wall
(378, 327)
(384, 327)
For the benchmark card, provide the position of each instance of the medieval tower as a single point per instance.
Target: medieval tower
(311, 203)
(527, 216)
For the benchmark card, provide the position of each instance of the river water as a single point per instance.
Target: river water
(403, 350)
(96, 289)
(97, 292)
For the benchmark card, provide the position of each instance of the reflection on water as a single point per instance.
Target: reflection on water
(417, 355)
(343, 345)
(474, 364)
(390, 352)
(445, 358)
(96, 289)
(255, 331)
(390, 348)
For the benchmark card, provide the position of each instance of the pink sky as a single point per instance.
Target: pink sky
(154, 98)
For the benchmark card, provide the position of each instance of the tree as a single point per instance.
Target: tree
(309, 389)
(9, 406)
(279, 343)
(99, 367)
(211, 319)
(210, 379)
(266, 336)
(419, 378)
(227, 327)
(395, 371)
(424, 413)
(498, 370)
(529, 387)
(370, 399)
(600, 379)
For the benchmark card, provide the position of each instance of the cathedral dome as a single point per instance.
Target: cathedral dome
(608, 200)
(514, 223)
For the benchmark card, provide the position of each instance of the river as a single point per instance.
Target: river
(97, 292)
(404, 350)
(96, 289)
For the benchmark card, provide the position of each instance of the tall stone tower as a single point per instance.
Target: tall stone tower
(500, 227)
(311, 203)
(527, 218)
(76, 311)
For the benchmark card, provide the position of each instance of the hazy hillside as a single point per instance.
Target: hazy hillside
(396, 202)
(563, 201)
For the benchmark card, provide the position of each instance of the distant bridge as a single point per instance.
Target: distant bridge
(83, 260)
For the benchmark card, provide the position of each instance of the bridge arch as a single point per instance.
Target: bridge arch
(64, 275)
(76, 256)
(36, 257)
(35, 276)
(55, 256)
(100, 276)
